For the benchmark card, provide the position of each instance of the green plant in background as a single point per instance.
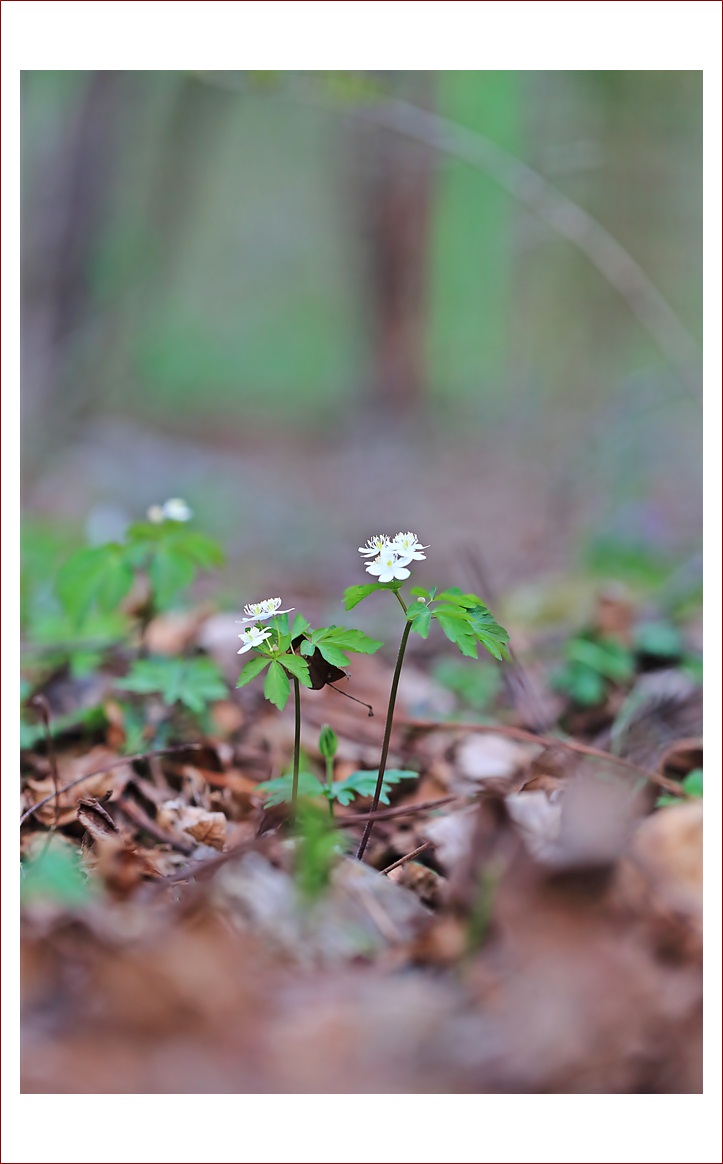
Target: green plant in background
(477, 686)
(692, 784)
(276, 646)
(52, 873)
(590, 662)
(189, 683)
(164, 550)
(464, 619)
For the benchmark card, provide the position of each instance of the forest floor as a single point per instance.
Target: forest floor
(527, 917)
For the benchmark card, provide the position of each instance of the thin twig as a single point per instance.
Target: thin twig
(547, 742)
(107, 768)
(42, 706)
(408, 857)
(389, 813)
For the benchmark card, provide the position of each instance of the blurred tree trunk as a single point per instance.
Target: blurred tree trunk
(70, 184)
(393, 179)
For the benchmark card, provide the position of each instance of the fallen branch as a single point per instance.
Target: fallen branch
(545, 741)
(408, 857)
(388, 813)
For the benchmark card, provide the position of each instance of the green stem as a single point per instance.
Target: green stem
(330, 784)
(387, 736)
(297, 746)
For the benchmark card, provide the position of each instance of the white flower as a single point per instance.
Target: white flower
(375, 546)
(267, 608)
(387, 566)
(408, 548)
(253, 637)
(175, 509)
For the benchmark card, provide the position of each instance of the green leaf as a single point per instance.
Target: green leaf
(333, 655)
(277, 686)
(692, 784)
(353, 595)
(203, 551)
(348, 640)
(251, 669)
(193, 682)
(298, 667)
(606, 656)
(307, 648)
(54, 874)
(364, 782)
(421, 619)
(488, 632)
(457, 630)
(661, 639)
(584, 685)
(98, 575)
(300, 625)
(278, 791)
(169, 572)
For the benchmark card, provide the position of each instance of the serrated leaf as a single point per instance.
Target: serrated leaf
(276, 686)
(298, 667)
(192, 682)
(251, 669)
(169, 572)
(364, 782)
(348, 639)
(278, 791)
(488, 632)
(457, 631)
(333, 655)
(353, 595)
(307, 648)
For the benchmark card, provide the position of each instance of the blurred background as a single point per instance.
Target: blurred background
(320, 306)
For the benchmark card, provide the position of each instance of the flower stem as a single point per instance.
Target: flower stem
(297, 746)
(387, 736)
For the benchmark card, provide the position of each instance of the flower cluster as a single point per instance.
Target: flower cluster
(175, 509)
(390, 557)
(255, 612)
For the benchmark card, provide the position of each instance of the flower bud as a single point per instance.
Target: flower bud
(328, 742)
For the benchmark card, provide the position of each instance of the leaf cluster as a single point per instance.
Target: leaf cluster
(280, 661)
(100, 577)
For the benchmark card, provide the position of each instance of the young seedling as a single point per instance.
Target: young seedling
(286, 652)
(464, 619)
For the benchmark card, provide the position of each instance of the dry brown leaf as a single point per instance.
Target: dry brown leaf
(208, 828)
(114, 780)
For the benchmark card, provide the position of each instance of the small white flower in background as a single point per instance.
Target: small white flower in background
(175, 509)
(408, 548)
(267, 608)
(374, 546)
(387, 567)
(253, 637)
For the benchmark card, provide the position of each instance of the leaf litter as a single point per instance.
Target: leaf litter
(538, 928)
